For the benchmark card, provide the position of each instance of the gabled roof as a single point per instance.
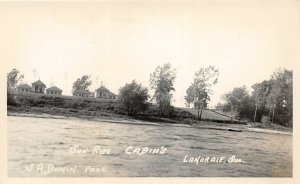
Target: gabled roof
(40, 83)
(102, 88)
(24, 86)
(110, 93)
(53, 88)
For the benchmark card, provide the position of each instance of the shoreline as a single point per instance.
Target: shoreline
(132, 121)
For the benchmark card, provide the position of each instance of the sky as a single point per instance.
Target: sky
(118, 41)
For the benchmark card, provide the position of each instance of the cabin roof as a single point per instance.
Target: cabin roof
(102, 88)
(39, 83)
(110, 93)
(53, 88)
(24, 86)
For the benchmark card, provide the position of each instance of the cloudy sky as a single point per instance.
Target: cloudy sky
(116, 42)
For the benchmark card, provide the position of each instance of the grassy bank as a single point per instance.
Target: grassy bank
(89, 108)
(69, 106)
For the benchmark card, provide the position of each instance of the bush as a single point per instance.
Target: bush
(75, 105)
(170, 111)
(74, 110)
(58, 102)
(11, 99)
(109, 108)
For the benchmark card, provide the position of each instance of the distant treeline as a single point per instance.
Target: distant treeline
(271, 101)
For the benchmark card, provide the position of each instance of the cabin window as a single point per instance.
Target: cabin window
(55, 92)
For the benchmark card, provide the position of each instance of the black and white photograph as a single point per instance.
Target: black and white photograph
(149, 89)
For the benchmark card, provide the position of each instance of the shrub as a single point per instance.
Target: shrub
(109, 108)
(74, 110)
(75, 105)
(11, 99)
(58, 102)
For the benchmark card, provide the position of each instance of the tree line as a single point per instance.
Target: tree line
(135, 98)
(271, 101)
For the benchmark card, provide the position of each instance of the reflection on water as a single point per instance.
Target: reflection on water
(48, 141)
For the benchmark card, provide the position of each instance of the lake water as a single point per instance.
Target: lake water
(45, 147)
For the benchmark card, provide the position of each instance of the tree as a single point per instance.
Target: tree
(161, 81)
(13, 79)
(133, 98)
(280, 98)
(82, 83)
(240, 102)
(271, 98)
(200, 90)
(260, 93)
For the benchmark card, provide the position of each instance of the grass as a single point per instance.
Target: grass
(82, 106)
(94, 107)
(90, 108)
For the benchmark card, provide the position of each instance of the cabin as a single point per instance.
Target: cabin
(53, 91)
(38, 87)
(82, 93)
(91, 94)
(23, 88)
(112, 96)
(104, 93)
